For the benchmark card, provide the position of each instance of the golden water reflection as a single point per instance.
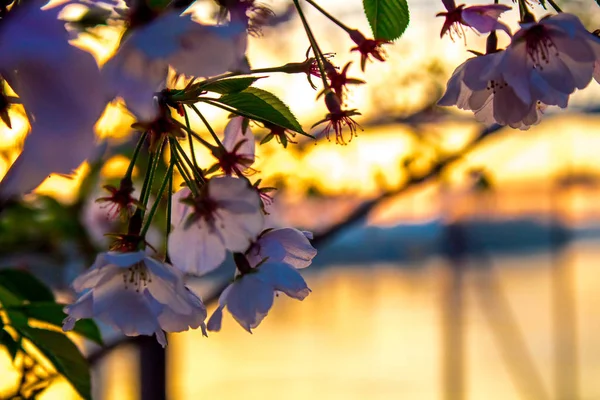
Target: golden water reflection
(375, 333)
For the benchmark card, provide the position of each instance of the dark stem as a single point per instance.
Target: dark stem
(134, 156)
(168, 177)
(313, 43)
(190, 138)
(169, 209)
(210, 129)
(555, 6)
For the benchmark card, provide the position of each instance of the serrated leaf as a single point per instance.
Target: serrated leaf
(388, 18)
(12, 346)
(230, 85)
(64, 355)
(52, 313)
(263, 106)
(25, 286)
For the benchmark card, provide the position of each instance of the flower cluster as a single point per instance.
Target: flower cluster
(545, 62)
(166, 64)
(218, 211)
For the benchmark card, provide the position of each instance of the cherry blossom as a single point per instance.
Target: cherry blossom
(250, 297)
(227, 215)
(483, 19)
(337, 118)
(253, 14)
(283, 136)
(478, 85)
(339, 81)
(368, 48)
(136, 294)
(139, 68)
(549, 59)
(61, 89)
(121, 201)
(239, 147)
(283, 245)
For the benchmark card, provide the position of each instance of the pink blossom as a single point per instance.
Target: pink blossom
(239, 145)
(137, 295)
(60, 87)
(286, 245)
(549, 59)
(250, 297)
(478, 85)
(140, 66)
(483, 19)
(225, 216)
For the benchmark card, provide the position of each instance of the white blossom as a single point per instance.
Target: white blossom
(226, 216)
(140, 66)
(549, 59)
(61, 89)
(136, 294)
(285, 245)
(250, 297)
(478, 85)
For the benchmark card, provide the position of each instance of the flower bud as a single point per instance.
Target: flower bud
(333, 103)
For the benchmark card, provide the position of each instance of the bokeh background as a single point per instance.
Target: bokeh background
(455, 261)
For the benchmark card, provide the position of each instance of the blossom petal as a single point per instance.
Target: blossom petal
(197, 250)
(82, 308)
(210, 50)
(233, 135)
(215, 320)
(249, 301)
(124, 309)
(62, 92)
(240, 218)
(124, 260)
(180, 211)
(453, 87)
(285, 279)
(484, 19)
(99, 272)
(287, 245)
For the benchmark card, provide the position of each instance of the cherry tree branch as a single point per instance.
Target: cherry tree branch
(363, 210)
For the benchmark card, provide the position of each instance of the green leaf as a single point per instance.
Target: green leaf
(263, 106)
(11, 344)
(388, 18)
(25, 286)
(64, 355)
(9, 299)
(229, 86)
(52, 313)
(158, 5)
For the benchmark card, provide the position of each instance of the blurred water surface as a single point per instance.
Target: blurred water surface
(376, 332)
